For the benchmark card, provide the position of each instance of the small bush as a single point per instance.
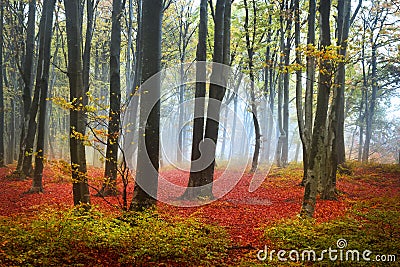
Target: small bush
(73, 237)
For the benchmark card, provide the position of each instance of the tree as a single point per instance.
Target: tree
(335, 134)
(47, 31)
(195, 178)
(110, 173)
(27, 78)
(146, 181)
(77, 112)
(305, 123)
(1, 89)
(250, 43)
(216, 94)
(316, 158)
(286, 82)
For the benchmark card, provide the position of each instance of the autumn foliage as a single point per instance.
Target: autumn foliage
(231, 229)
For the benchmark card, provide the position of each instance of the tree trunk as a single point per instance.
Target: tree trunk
(80, 187)
(139, 49)
(216, 94)
(362, 114)
(128, 71)
(110, 184)
(250, 54)
(32, 125)
(146, 183)
(1, 89)
(48, 9)
(317, 150)
(278, 156)
(310, 78)
(27, 77)
(371, 108)
(87, 48)
(196, 168)
(286, 81)
(337, 108)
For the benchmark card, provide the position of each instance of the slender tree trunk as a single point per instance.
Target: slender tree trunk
(278, 156)
(180, 146)
(146, 183)
(337, 108)
(195, 177)
(310, 78)
(80, 187)
(48, 9)
(216, 94)
(286, 83)
(299, 90)
(88, 47)
(362, 112)
(271, 99)
(27, 77)
(139, 49)
(371, 108)
(110, 184)
(316, 157)
(1, 89)
(34, 106)
(250, 54)
(128, 72)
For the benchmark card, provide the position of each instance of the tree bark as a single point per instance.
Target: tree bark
(371, 107)
(146, 182)
(80, 187)
(47, 14)
(27, 77)
(34, 106)
(216, 94)
(110, 183)
(317, 150)
(335, 127)
(286, 83)
(1, 89)
(310, 79)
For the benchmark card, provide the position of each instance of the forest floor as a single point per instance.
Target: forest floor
(244, 215)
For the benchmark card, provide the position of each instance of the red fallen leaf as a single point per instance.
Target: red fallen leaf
(243, 214)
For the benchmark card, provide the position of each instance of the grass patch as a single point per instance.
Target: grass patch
(366, 227)
(73, 237)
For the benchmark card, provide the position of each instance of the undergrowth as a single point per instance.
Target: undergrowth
(74, 237)
(365, 227)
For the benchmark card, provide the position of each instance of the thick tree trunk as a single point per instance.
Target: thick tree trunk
(47, 14)
(317, 150)
(80, 187)
(110, 184)
(146, 183)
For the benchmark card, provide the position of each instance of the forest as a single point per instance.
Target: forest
(199, 133)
